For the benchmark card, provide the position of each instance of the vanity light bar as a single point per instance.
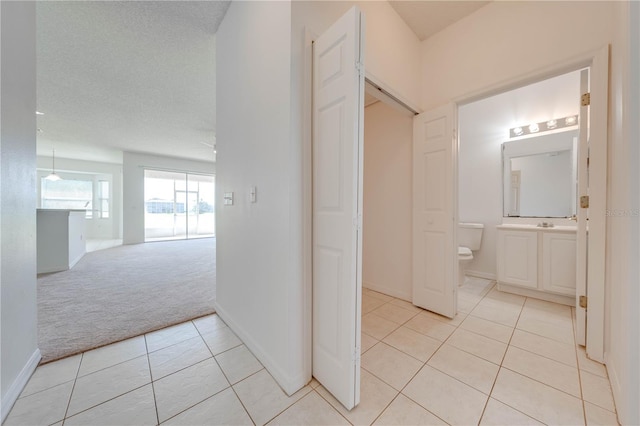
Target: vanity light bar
(544, 126)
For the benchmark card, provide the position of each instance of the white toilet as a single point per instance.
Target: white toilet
(469, 239)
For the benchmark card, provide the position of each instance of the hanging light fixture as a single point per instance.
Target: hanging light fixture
(53, 176)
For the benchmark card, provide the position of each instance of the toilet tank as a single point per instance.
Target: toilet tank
(470, 235)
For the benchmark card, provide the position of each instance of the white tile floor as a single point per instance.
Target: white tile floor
(504, 360)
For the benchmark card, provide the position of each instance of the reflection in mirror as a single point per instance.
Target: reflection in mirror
(539, 175)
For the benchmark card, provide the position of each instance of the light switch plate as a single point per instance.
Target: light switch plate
(253, 194)
(228, 198)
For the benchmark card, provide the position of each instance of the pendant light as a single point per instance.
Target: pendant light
(53, 176)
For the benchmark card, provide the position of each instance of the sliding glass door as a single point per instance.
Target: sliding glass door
(200, 199)
(178, 205)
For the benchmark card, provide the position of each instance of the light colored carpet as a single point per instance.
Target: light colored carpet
(121, 292)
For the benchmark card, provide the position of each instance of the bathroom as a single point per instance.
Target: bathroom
(489, 150)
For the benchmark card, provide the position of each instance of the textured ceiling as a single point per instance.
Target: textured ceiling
(426, 18)
(139, 76)
(132, 76)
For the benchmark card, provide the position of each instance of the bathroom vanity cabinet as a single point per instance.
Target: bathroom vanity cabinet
(538, 262)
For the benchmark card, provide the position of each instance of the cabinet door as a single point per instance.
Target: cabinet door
(559, 263)
(518, 258)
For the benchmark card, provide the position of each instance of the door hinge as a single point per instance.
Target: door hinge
(585, 99)
(356, 354)
(357, 222)
(360, 67)
(584, 201)
(583, 301)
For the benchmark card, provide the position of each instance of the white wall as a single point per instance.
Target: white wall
(133, 168)
(386, 262)
(632, 414)
(262, 286)
(259, 282)
(504, 41)
(392, 50)
(19, 353)
(484, 126)
(97, 228)
(622, 293)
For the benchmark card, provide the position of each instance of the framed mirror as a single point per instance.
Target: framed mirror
(540, 175)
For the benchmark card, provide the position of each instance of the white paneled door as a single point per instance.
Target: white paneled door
(592, 210)
(435, 257)
(338, 110)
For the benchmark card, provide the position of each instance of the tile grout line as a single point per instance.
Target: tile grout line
(118, 363)
(575, 351)
(330, 404)
(200, 333)
(153, 389)
(398, 392)
(225, 375)
(73, 388)
(417, 372)
(523, 375)
(108, 400)
(500, 367)
(221, 370)
(580, 371)
(168, 346)
(292, 404)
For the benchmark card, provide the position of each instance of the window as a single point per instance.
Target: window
(67, 194)
(103, 199)
(178, 205)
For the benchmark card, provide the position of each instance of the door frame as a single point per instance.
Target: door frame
(598, 62)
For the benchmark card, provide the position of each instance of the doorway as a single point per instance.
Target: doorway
(591, 102)
(484, 127)
(388, 139)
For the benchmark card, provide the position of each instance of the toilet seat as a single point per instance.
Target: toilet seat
(464, 253)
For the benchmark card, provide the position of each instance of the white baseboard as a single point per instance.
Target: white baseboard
(549, 297)
(289, 384)
(480, 274)
(76, 260)
(388, 291)
(18, 384)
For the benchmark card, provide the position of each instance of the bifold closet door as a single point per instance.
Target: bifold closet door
(338, 109)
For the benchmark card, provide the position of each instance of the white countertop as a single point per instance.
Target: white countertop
(526, 227)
